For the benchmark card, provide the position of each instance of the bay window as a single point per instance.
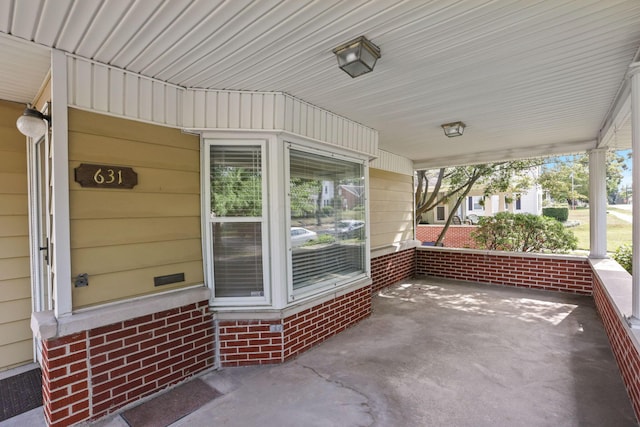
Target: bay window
(283, 222)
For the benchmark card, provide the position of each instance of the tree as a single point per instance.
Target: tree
(506, 231)
(235, 191)
(568, 179)
(616, 164)
(302, 192)
(457, 182)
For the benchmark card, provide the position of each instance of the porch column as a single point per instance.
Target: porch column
(60, 233)
(598, 203)
(634, 73)
(488, 206)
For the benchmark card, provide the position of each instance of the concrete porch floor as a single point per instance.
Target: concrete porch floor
(434, 353)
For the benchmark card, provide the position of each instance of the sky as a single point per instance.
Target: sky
(626, 174)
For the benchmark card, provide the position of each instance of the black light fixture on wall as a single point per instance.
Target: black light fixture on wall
(357, 57)
(33, 123)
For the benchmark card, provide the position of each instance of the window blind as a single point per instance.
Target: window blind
(236, 216)
(327, 198)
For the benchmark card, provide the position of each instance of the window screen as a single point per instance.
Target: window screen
(327, 212)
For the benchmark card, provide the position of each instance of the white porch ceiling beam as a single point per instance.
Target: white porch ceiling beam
(508, 154)
(618, 115)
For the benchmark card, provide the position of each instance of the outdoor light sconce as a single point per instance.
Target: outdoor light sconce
(33, 123)
(453, 129)
(357, 57)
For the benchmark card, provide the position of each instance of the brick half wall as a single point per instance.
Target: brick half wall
(624, 350)
(261, 342)
(93, 373)
(552, 273)
(314, 325)
(393, 267)
(457, 236)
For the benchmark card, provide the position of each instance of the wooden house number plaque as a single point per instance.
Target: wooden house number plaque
(105, 176)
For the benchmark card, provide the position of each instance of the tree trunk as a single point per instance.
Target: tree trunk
(459, 201)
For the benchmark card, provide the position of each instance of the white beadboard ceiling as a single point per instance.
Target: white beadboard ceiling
(528, 77)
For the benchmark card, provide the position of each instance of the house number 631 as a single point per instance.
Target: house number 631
(109, 176)
(105, 176)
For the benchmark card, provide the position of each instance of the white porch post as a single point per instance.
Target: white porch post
(598, 203)
(60, 179)
(634, 72)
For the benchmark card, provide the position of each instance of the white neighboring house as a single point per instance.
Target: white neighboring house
(527, 201)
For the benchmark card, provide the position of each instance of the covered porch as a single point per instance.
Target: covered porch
(112, 284)
(434, 352)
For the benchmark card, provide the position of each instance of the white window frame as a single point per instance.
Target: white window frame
(322, 287)
(207, 223)
(445, 211)
(473, 204)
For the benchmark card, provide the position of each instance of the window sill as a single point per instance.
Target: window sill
(257, 313)
(45, 325)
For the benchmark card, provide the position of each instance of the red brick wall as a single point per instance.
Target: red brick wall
(316, 324)
(457, 236)
(564, 275)
(250, 342)
(391, 268)
(623, 348)
(65, 380)
(259, 342)
(92, 373)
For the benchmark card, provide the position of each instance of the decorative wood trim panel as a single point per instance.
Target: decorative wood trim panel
(230, 110)
(97, 87)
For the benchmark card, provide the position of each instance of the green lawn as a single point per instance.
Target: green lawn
(618, 231)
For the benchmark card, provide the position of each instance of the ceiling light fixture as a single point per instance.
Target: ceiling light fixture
(453, 129)
(357, 57)
(33, 123)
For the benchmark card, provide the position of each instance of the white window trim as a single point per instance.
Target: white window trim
(446, 214)
(295, 296)
(517, 200)
(473, 204)
(208, 250)
(278, 285)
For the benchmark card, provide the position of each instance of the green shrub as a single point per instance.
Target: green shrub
(623, 256)
(523, 233)
(322, 238)
(327, 210)
(561, 214)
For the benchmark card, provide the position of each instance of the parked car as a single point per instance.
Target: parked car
(350, 228)
(300, 235)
